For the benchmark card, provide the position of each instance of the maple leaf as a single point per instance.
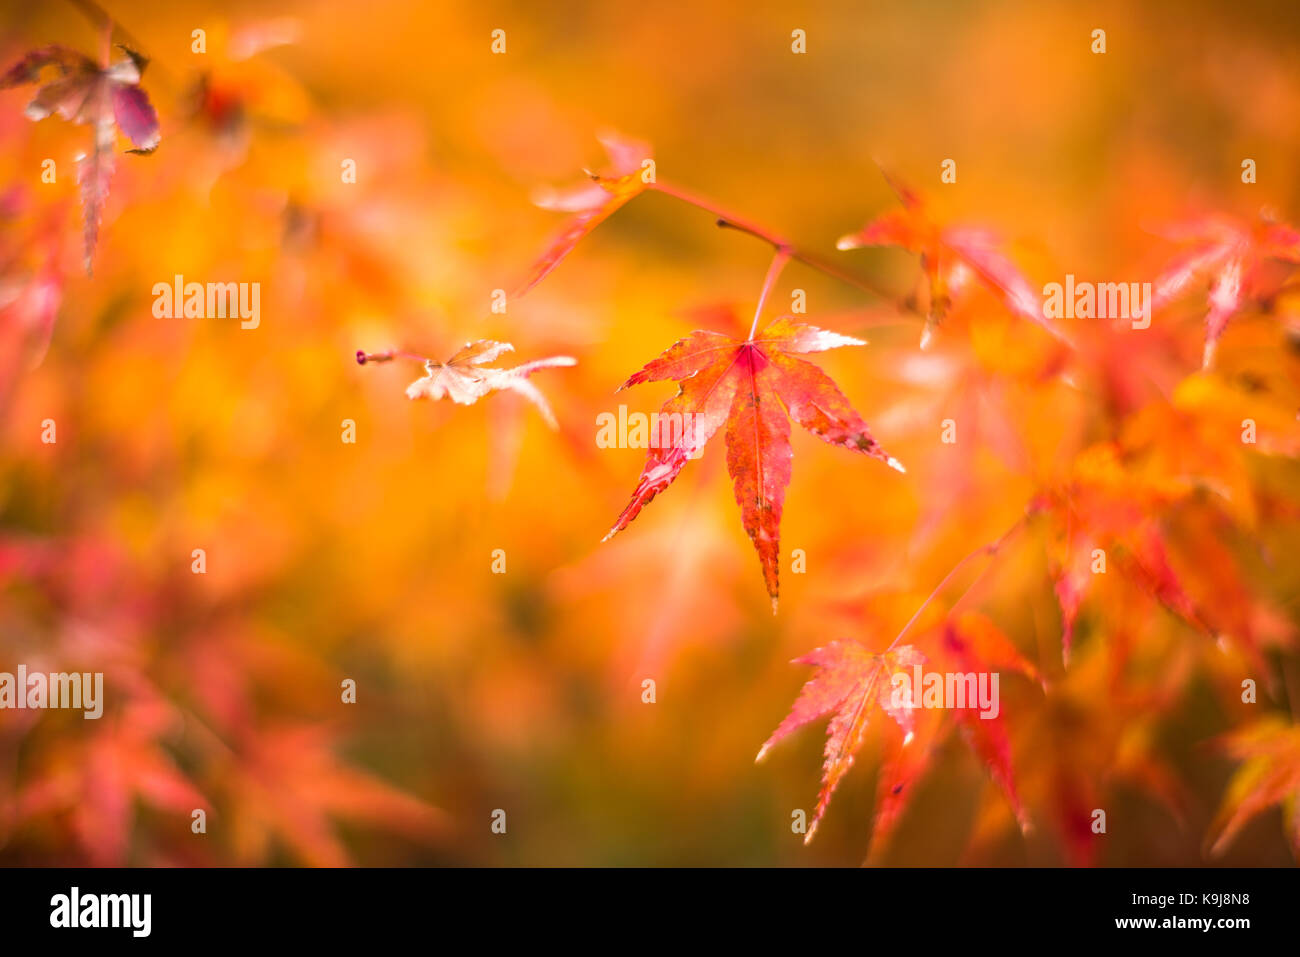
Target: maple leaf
(904, 762)
(850, 682)
(949, 256)
(288, 784)
(592, 202)
(463, 379)
(1233, 256)
(754, 386)
(1268, 776)
(969, 644)
(99, 781)
(1104, 505)
(107, 99)
(973, 644)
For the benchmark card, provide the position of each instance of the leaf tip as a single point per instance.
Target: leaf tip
(896, 465)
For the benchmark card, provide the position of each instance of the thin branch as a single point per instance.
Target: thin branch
(729, 220)
(987, 550)
(102, 18)
(108, 43)
(1291, 682)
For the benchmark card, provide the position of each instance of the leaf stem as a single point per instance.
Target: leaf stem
(108, 42)
(779, 259)
(101, 17)
(387, 356)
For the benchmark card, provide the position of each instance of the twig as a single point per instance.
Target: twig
(387, 356)
(989, 549)
(102, 18)
(729, 220)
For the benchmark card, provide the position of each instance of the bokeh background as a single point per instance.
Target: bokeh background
(373, 561)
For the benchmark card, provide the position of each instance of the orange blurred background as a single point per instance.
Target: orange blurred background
(373, 561)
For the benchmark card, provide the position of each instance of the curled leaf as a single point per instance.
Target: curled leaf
(464, 378)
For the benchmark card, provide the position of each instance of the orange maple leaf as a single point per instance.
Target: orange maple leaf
(950, 254)
(592, 202)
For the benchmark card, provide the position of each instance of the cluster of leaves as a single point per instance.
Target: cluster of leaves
(1118, 497)
(174, 754)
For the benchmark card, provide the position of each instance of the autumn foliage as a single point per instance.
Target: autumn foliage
(1097, 522)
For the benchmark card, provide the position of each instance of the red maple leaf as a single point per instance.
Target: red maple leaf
(754, 386)
(1234, 256)
(973, 644)
(850, 682)
(950, 255)
(107, 98)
